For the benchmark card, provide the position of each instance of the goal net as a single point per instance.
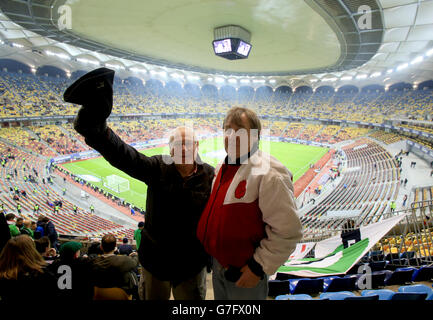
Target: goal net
(116, 183)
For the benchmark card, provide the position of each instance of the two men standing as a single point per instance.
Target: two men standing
(249, 225)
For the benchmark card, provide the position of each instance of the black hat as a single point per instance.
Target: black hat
(95, 86)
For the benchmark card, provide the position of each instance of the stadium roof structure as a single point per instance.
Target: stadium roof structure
(295, 43)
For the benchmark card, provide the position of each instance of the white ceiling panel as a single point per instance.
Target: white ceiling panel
(400, 16)
(412, 46)
(425, 13)
(395, 3)
(396, 34)
(424, 32)
(389, 47)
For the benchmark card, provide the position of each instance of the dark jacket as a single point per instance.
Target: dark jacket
(81, 280)
(115, 271)
(5, 234)
(169, 247)
(49, 231)
(30, 288)
(125, 249)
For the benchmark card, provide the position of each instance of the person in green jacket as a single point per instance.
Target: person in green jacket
(27, 229)
(137, 234)
(92, 208)
(10, 219)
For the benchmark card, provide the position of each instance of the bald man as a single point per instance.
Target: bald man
(179, 185)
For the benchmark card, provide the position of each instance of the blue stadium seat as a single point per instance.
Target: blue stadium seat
(371, 297)
(334, 284)
(407, 255)
(377, 279)
(417, 288)
(294, 297)
(383, 294)
(376, 255)
(336, 295)
(408, 296)
(278, 287)
(378, 265)
(392, 257)
(399, 276)
(423, 274)
(306, 285)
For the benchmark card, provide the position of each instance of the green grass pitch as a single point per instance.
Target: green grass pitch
(296, 157)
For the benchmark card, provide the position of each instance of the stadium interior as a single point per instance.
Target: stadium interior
(315, 77)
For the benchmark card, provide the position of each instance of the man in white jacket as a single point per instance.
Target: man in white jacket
(250, 225)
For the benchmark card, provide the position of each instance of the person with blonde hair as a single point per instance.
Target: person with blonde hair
(23, 273)
(26, 229)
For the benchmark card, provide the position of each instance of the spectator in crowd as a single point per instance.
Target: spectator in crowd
(23, 273)
(393, 205)
(178, 188)
(405, 182)
(137, 234)
(94, 250)
(14, 231)
(125, 248)
(43, 247)
(404, 200)
(19, 223)
(5, 233)
(250, 224)
(26, 229)
(39, 230)
(81, 287)
(47, 228)
(115, 271)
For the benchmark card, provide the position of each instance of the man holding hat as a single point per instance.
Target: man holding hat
(179, 185)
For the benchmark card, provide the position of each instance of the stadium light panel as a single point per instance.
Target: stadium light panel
(233, 80)
(330, 79)
(219, 80)
(138, 70)
(193, 78)
(17, 45)
(417, 60)
(361, 76)
(313, 80)
(259, 81)
(429, 53)
(210, 79)
(347, 78)
(177, 76)
(86, 61)
(389, 71)
(245, 80)
(376, 74)
(58, 55)
(402, 66)
(114, 66)
(272, 81)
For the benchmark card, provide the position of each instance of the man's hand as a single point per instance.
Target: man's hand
(248, 279)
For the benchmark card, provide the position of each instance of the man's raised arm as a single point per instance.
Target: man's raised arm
(94, 91)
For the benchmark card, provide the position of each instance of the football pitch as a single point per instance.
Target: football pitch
(296, 157)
